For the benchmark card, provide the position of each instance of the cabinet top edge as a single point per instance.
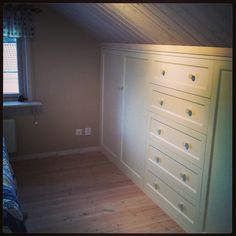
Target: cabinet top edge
(199, 50)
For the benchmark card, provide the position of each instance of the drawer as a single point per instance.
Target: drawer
(179, 205)
(191, 75)
(179, 139)
(179, 177)
(188, 110)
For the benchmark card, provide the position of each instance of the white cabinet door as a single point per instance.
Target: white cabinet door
(135, 114)
(112, 102)
(219, 208)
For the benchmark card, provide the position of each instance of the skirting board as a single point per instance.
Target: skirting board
(57, 153)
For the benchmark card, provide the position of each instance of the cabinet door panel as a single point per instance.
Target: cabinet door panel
(135, 113)
(220, 189)
(112, 102)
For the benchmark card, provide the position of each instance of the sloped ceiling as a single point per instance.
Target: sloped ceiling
(153, 23)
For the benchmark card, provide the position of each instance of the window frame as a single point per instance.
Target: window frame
(24, 78)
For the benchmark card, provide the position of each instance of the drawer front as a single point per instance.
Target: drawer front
(179, 204)
(190, 75)
(193, 114)
(177, 175)
(179, 141)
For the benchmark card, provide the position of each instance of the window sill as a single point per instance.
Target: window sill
(21, 104)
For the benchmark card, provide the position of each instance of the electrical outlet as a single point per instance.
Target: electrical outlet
(87, 131)
(78, 132)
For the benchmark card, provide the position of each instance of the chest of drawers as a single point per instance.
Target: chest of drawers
(181, 115)
(166, 122)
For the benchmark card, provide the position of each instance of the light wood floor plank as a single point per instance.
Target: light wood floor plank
(85, 193)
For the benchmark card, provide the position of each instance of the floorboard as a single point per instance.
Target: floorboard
(85, 193)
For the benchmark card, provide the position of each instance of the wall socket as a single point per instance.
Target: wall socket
(87, 131)
(78, 132)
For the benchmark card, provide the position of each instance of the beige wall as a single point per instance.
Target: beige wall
(65, 69)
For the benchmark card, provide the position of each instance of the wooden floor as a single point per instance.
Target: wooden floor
(85, 193)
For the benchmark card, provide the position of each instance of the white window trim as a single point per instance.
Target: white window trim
(24, 71)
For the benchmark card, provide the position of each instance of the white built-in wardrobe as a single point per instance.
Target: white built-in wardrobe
(167, 124)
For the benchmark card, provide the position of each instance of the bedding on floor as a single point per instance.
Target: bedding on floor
(13, 218)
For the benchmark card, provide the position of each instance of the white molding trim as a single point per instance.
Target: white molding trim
(57, 153)
(157, 48)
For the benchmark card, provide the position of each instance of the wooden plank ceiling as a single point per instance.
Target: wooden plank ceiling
(153, 23)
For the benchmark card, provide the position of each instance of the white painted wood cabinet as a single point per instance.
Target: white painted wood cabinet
(163, 114)
(124, 110)
(219, 207)
(112, 102)
(135, 113)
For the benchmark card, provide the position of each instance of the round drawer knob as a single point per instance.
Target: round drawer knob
(187, 146)
(192, 77)
(163, 72)
(181, 206)
(156, 186)
(184, 177)
(158, 159)
(159, 131)
(161, 102)
(189, 112)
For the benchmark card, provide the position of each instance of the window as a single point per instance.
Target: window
(10, 67)
(15, 74)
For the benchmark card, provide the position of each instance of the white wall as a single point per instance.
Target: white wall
(65, 70)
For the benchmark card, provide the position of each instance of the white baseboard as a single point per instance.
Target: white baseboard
(57, 153)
